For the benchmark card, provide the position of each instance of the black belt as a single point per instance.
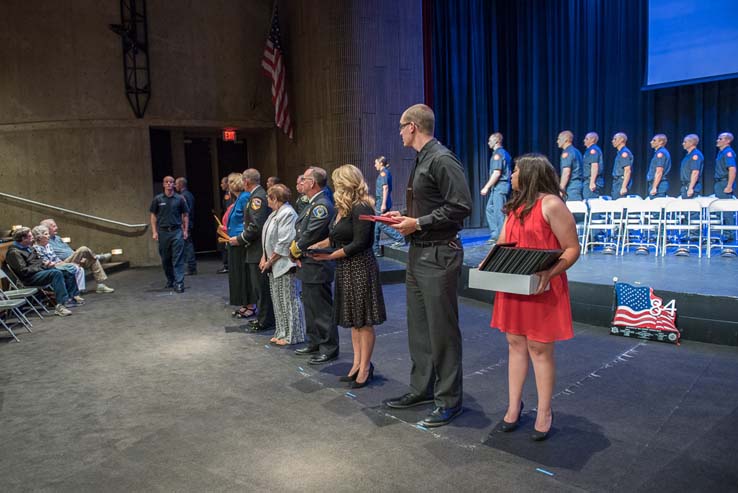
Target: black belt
(169, 229)
(430, 243)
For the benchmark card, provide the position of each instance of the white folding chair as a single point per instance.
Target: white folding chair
(578, 209)
(642, 225)
(18, 286)
(605, 216)
(722, 208)
(21, 294)
(682, 226)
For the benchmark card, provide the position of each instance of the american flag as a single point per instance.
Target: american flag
(273, 65)
(639, 307)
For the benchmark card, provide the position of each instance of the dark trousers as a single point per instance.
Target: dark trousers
(728, 217)
(171, 251)
(433, 322)
(589, 194)
(321, 328)
(574, 191)
(388, 230)
(260, 283)
(189, 254)
(62, 282)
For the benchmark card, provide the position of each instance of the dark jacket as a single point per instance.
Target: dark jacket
(312, 226)
(255, 215)
(24, 263)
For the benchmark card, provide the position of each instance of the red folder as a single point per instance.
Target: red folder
(380, 219)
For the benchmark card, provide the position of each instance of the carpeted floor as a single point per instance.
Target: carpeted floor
(148, 390)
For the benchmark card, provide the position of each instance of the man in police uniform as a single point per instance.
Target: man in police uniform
(571, 166)
(690, 170)
(169, 222)
(438, 200)
(498, 183)
(725, 171)
(302, 200)
(658, 169)
(180, 185)
(316, 277)
(254, 216)
(593, 168)
(622, 169)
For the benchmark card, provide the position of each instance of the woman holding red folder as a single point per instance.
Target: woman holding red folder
(537, 217)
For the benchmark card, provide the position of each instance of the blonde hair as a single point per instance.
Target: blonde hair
(235, 182)
(351, 189)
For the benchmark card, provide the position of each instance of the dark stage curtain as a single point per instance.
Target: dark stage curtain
(533, 68)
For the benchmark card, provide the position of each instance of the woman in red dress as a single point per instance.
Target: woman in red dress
(536, 218)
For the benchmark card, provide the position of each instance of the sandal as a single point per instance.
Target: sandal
(244, 313)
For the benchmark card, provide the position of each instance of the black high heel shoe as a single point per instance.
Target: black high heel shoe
(359, 385)
(350, 377)
(539, 436)
(505, 427)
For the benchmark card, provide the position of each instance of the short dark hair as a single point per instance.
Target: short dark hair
(20, 233)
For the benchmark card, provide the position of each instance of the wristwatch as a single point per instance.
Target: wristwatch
(417, 224)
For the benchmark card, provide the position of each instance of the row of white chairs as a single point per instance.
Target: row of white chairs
(659, 224)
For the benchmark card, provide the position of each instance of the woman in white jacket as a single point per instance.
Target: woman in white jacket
(276, 237)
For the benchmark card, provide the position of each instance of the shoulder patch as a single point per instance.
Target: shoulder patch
(382, 174)
(695, 157)
(497, 157)
(256, 203)
(320, 211)
(624, 154)
(730, 154)
(593, 151)
(660, 154)
(565, 154)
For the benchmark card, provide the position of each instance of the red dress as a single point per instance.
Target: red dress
(544, 317)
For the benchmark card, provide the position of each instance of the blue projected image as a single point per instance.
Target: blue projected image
(691, 41)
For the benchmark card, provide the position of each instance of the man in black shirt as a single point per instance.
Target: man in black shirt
(438, 200)
(169, 221)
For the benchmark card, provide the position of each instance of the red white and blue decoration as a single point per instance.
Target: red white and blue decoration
(642, 314)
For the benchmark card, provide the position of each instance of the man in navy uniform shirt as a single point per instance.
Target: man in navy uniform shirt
(169, 222)
(593, 168)
(499, 184)
(571, 166)
(690, 170)
(622, 169)
(180, 185)
(725, 170)
(658, 169)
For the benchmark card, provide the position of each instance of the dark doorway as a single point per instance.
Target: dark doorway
(198, 166)
(161, 156)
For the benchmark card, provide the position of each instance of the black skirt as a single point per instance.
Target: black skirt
(238, 278)
(358, 299)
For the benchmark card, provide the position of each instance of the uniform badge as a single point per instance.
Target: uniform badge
(660, 155)
(593, 151)
(695, 157)
(730, 154)
(320, 211)
(497, 157)
(566, 154)
(624, 154)
(256, 204)
(382, 174)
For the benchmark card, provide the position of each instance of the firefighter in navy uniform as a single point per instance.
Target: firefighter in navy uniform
(316, 277)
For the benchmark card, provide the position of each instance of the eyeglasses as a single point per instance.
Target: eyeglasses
(403, 125)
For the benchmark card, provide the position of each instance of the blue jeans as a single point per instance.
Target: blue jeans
(493, 211)
(388, 230)
(62, 282)
(171, 251)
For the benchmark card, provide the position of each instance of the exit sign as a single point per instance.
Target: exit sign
(229, 135)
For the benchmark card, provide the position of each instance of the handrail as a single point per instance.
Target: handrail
(142, 227)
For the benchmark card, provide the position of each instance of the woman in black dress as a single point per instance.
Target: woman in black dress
(358, 302)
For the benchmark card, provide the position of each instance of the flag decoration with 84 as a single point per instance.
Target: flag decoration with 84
(642, 314)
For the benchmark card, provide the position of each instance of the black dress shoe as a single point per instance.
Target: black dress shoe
(179, 288)
(441, 416)
(349, 378)
(169, 285)
(539, 436)
(408, 400)
(359, 385)
(506, 427)
(257, 327)
(322, 358)
(224, 270)
(307, 350)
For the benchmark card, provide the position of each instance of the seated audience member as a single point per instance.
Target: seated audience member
(44, 250)
(33, 271)
(273, 180)
(83, 256)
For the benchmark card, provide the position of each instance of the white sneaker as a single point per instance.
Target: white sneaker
(79, 299)
(62, 310)
(102, 288)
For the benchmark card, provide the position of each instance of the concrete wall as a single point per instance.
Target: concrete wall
(68, 136)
